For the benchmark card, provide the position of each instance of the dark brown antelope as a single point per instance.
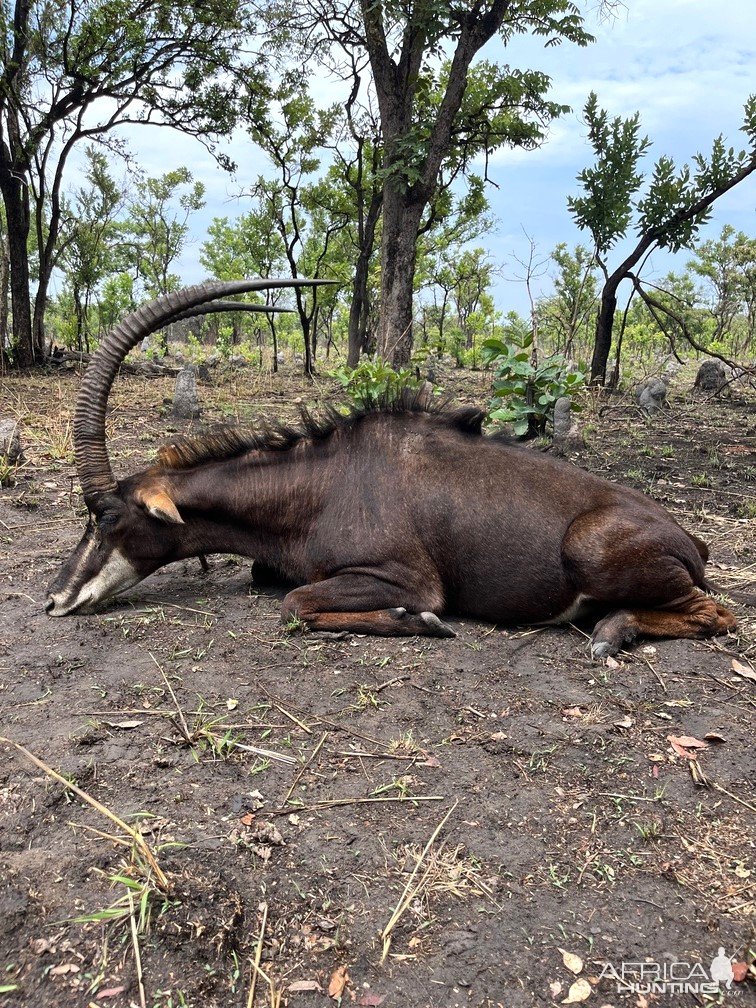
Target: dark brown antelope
(387, 519)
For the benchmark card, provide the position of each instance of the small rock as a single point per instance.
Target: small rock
(186, 404)
(10, 441)
(566, 433)
(651, 395)
(711, 377)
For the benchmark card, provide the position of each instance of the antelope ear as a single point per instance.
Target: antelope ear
(160, 506)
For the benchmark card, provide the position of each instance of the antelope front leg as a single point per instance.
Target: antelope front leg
(363, 604)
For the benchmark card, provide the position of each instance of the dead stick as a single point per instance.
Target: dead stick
(135, 835)
(336, 802)
(258, 957)
(740, 801)
(407, 894)
(314, 753)
(296, 721)
(390, 682)
(184, 726)
(137, 956)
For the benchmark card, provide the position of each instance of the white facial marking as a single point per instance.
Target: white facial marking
(117, 575)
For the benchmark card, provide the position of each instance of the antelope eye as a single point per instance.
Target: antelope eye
(109, 518)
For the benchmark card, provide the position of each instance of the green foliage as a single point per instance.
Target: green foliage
(157, 226)
(567, 318)
(606, 209)
(524, 389)
(374, 380)
(676, 202)
(667, 213)
(727, 267)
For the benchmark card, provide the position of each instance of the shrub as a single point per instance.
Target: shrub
(524, 393)
(374, 379)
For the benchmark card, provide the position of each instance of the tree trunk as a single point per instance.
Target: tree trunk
(79, 313)
(308, 366)
(358, 310)
(604, 327)
(274, 342)
(401, 225)
(17, 217)
(360, 307)
(4, 274)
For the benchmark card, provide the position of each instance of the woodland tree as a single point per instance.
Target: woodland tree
(439, 110)
(666, 213)
(76, 70)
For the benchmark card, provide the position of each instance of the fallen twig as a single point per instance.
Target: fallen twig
(409, 893)
(136, 836)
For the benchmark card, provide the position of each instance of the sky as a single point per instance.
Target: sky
(686, 65)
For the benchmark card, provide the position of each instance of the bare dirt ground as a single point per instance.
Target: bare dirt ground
(288, 786)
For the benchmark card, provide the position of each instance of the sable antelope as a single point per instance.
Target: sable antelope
(387, 518)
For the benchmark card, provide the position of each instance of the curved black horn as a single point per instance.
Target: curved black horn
(92, 462)
(225, 306)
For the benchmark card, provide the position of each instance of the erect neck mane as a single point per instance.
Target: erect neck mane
(231, 442)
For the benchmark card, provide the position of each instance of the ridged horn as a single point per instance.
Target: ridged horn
(92, 462)
(225, 306)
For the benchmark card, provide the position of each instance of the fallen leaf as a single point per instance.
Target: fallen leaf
(123, 724)
(294, 819)
(742, 872)
(625, 722)
(42, 945)
(739, 971)
(232, 704)
(64, 968)
(247, 819)
(301, 986)
(371, 1000)
(339, 980)
(612, 662)
(110, 992)
(578, 992)
(743, 670)
(649, 649)
(689, 741)
(573, 962)
(429, 761)
(556, 988)
(714, 736)
(682, 743)
(572, 712)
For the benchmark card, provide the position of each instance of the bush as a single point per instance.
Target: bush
(374, 380)
(523, 393)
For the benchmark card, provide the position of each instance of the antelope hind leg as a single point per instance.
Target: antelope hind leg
(697, 616)
(360, 603)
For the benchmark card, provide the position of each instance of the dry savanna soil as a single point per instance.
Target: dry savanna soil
(222, 812)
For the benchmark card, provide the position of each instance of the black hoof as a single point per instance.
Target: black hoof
(439, 628)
